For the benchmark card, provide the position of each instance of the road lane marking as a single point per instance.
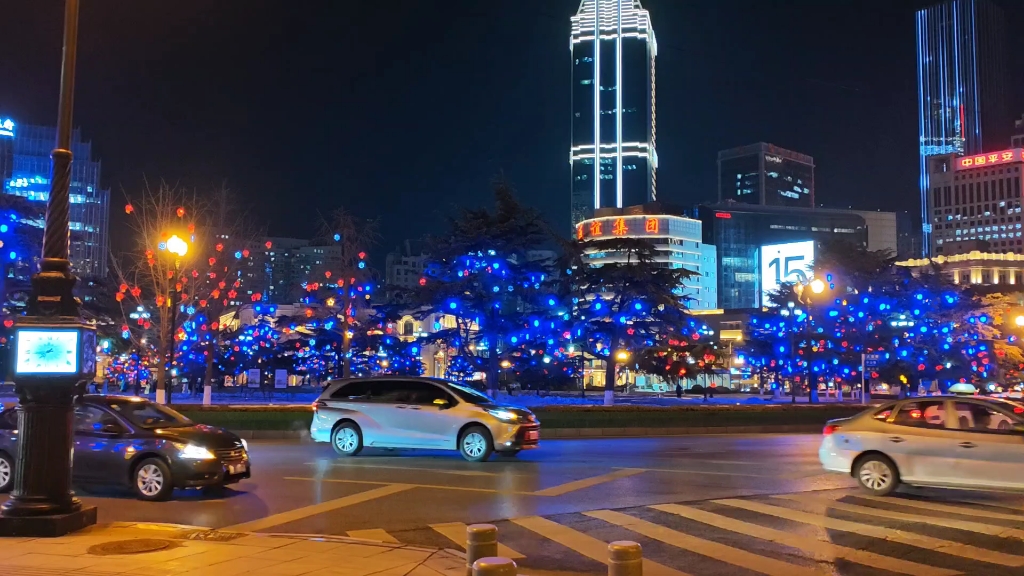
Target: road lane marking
(375, 534)
(437, 486)
(414, 468)
(989, 529)
(714, 550)
(929, 505)
(456, 532)
(678, 471)
(818, 549)
(585, 545)
(908, 538)
(587, 482)
(314, 509)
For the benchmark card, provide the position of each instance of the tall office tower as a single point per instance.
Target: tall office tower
(25, 171)
(767, 175)
(961, 85)
(613, 152)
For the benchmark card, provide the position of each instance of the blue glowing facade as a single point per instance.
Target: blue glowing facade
(25, 171)
(613, 154)
(961, 85)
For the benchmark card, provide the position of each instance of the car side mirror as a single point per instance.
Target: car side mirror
(111, 428)
(441, 403)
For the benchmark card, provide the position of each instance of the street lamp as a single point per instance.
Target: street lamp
(622, 355)
(63, 349)
(177, 247)
(1019, 320)
(817, 286)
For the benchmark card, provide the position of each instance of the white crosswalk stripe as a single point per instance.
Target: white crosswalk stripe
(757, 536)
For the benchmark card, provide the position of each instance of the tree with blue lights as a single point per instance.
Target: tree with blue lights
(489, 274)
(626, 306)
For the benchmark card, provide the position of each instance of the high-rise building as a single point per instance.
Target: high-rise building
(25, 171)
(961, 85)
(766, 175)
(613, 153)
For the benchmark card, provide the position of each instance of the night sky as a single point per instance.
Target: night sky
(403, 109)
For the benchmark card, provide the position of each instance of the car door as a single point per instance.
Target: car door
(385, 418)
(990, 453)
(429, 424)
(86, 457)
(921, 441)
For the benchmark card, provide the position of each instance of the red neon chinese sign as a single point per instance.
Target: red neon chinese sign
(723, 215)
(579, 231)
(595, 228)
(620, 228)
(1002, 157)
(651, 226)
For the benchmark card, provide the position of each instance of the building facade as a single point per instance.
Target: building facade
(678, 243)
(961, 71)
(883, 230)
(613, 156)
(767, 175)
(977, 268)
(25, 171)
(975, 198)
(761, 247)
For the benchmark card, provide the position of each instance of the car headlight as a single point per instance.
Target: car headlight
(245, 445)
(504, 415)
(193, 452)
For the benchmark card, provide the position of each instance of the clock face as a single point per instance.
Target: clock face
(47, 352)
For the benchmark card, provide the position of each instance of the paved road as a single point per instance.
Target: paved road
(699, 505)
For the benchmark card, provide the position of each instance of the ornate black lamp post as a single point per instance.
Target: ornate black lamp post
(54, 352)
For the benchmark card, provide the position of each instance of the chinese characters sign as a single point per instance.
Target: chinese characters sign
(979, 160)
(622, 226)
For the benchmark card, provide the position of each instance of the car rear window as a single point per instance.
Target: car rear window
(351, 391)
(884, 412)
(922, 414)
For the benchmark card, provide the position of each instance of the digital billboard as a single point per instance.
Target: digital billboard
(782, 263)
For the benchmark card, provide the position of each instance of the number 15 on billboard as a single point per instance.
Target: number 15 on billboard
(781, 263)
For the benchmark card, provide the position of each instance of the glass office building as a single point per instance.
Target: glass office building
(613, 156)
(767, 175)
(961, 78)
(25, 171)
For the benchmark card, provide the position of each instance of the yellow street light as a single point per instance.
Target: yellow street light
(1019, 320)
(505, 364)
(817, 286)
(622, 355)
(177, 246)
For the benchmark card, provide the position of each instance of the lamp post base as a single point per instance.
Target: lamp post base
(47, 526)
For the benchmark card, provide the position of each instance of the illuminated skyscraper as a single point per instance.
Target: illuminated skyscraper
(961, 85)
(613, 154)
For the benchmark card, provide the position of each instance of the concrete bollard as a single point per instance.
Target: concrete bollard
(494, 566)
(625, 558)
(481, 542)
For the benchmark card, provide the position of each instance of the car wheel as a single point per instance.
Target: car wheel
(476, 444)
(346, 439)
(152, 480)
(6, 472)
(878, 475)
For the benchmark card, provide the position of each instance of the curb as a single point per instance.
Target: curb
(576, 433)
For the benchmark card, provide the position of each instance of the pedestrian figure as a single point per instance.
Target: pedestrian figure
(679, 391)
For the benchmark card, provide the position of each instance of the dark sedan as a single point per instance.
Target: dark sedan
(132, 442)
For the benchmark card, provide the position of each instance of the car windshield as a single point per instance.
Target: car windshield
(467, 394)
(148, 415)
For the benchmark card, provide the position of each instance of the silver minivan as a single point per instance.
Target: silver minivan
(406, 412)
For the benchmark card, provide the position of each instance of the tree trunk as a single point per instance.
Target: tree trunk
(346, 367)
(493, 374)
(609, 379)
(161, 368)
(208, 375)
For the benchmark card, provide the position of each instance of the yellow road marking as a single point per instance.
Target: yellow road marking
(929, 505)
(908, 538)
(375, 534)
(585, 545)
(1003, 531)
(313, 510)
(456, 532)
(818, 549)
(587, 482)
(715, 550)
(437, 486)
(413, 468)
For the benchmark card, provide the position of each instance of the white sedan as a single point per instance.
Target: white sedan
(945, 441)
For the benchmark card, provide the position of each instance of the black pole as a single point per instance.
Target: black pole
(42, 503)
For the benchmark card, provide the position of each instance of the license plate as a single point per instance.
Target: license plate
(533, 435)
(237, 468)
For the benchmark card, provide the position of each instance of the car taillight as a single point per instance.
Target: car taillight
(829, 429)
(319, 404)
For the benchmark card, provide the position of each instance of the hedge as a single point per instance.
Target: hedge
(299, 417)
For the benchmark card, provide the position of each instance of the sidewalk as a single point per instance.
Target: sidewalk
(165, 550)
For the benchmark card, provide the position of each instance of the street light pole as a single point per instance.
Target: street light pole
(42, 503)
